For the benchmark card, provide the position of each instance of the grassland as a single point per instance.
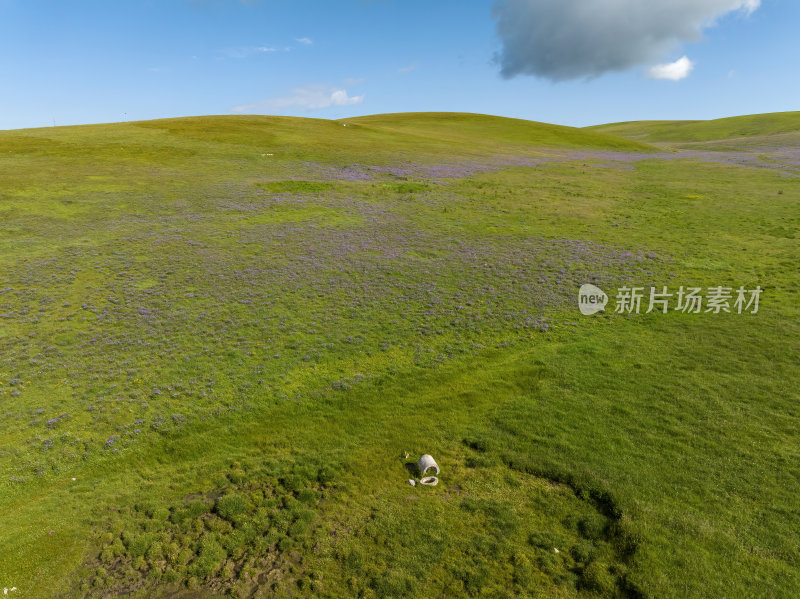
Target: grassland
(776, 128)
(225, 340)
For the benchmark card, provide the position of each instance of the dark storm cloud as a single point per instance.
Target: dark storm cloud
(571, 39)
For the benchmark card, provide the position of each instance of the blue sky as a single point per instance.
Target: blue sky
(89, 62)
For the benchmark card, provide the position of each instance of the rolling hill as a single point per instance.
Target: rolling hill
(226, 340)
(726, 129)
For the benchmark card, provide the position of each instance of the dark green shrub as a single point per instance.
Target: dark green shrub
(230, 506)
(286, 543)
(545, 540)
(354, 560)
(195, 509)
(523, 570)
(596, 577)
(137, 544)
(154, 552)
(233, 542)
(592, 527)
(584, 552)
(170, 575)
(293, 483)
(307, 496)
(185, 556)
(210, 560)
(326, 474)
(298, 528)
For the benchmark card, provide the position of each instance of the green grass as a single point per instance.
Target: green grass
(485, 131)
(237, 334)
(755, 125)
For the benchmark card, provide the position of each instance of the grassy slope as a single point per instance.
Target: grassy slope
(487, 131)
(756, 125)
(169, 268)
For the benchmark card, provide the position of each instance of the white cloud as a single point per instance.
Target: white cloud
(574, 39)
(339, 97)
(751, 5)
(674, 71)
(303, 40)
(310, 97)
(408, 68)
(245, 51)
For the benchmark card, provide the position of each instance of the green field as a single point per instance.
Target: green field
(779, 129)
(226, 340)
